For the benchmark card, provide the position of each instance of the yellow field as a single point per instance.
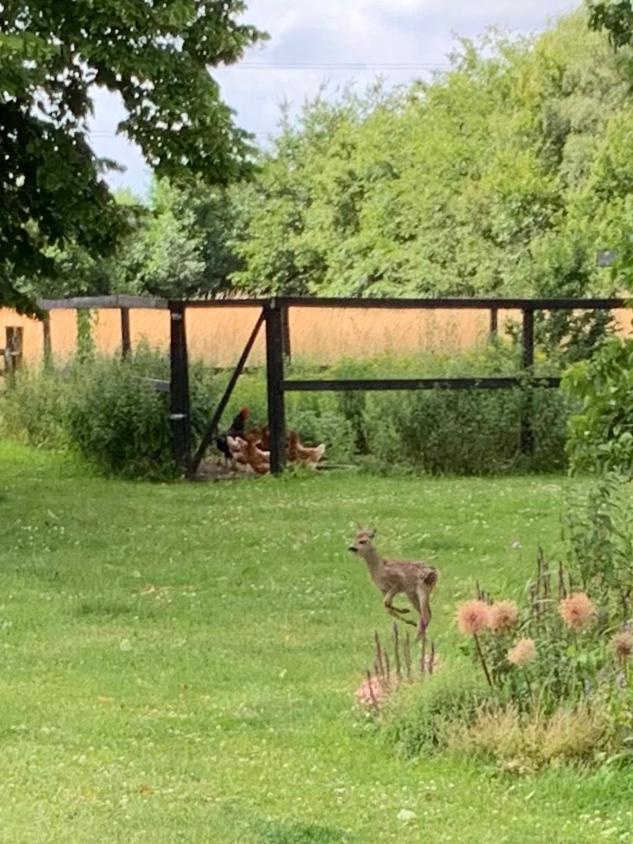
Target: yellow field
(318, 335)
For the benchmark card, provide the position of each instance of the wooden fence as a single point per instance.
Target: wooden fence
(273, 314)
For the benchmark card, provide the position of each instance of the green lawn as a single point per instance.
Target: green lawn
(178, 662)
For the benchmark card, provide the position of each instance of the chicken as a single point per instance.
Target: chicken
(236, 430)
(257, 459)
(237, 450)
(264, 442)
(299, 453)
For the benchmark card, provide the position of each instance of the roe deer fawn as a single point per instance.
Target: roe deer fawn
(416, 580)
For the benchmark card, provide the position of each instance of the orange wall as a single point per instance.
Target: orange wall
(320, 335)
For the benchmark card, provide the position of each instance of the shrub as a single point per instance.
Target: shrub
(118, 422)
(107, 410)
(35, 410)
(423, 717)
(470, 432)
(526, 743)
(600, 544)
(601, 432)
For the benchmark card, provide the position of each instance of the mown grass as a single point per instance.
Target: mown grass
(177, 662)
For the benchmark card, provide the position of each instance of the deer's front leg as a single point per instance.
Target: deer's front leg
(396, 612)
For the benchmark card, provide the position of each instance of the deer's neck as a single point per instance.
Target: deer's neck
(375, 563)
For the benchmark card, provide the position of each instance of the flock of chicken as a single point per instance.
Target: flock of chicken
(250, 451)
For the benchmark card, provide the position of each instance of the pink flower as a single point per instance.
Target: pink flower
(622, 644)
(503, 616)
(577, 611)
(472, 617)
(523, 653)
(371, 692)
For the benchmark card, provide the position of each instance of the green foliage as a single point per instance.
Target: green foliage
(106, 410)
(600, 543)
(422, 719)
(445, 431)
(119, 423)
(435, 432)
(574, 661)
(504, 175)
(616, 16)
(35, 410)
(183, 248)
(464, 432)
(155, 56)
(601, 432)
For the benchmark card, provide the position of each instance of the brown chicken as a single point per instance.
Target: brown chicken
(257, 459)
(305, 455)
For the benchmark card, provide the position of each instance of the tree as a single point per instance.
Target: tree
(183, 248)
(155, 54)
(503, 176)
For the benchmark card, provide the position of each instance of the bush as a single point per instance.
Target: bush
(118, 422)
(601, 433)
(526, 743)
(107, 410)
(35, 410)
(423, 718)
(463, 432)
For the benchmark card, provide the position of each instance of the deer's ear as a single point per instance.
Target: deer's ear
(371, 533)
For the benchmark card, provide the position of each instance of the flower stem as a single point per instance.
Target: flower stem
(480, 653)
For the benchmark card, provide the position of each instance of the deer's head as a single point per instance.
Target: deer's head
(362, 541)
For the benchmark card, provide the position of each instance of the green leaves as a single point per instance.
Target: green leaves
(156, 57)
(504, 175)
(616, 16)
(601, 433)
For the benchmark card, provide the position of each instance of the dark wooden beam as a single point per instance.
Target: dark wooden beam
(494, 323)
(450, 303)
(393, 384)
(225, 303)
(285, 328)
(47, 340)
(126, 339)
(275, 387)
(90, 303)
(458, 303)
(179, 382)
(527, 432)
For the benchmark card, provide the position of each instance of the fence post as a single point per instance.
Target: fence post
(494, 323)
(275, 377)
(527, 433)
(126, 341)
(46, 336)
(179, 388)
(14, 347)
(285, 323)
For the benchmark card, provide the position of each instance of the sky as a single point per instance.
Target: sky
(333, 41)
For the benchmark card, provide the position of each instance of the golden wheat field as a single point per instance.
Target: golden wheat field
(318, 335)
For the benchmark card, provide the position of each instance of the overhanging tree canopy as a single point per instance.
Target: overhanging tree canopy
(155, 54)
